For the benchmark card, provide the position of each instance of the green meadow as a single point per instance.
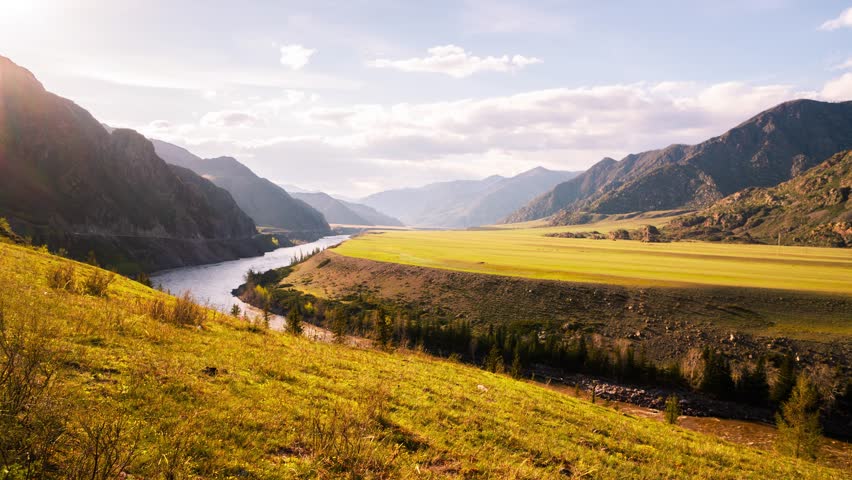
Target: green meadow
(216, 398)
(528, 253)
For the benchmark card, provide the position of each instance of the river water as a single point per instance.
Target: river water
(212, 283)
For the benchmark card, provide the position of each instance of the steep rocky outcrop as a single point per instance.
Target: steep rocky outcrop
(770, 148)
(70, 183)
(265, 202)
(814, 208)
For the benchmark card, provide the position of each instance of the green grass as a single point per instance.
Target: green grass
(287, 407)
(527, 253)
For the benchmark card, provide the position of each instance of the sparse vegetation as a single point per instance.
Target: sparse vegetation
(220, 401)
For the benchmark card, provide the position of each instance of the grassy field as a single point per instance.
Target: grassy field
(528, 253)
(279, 406)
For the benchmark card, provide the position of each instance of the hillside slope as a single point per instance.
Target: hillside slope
(772, 147)
(345, 213)
(814, 208)
(466, 203)
(218, 400)
(70, 183)
(265, 202)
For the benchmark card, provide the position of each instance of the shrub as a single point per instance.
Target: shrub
(673, 410)
(62, 277)
(32, 415)
(294, 322)
(235, 311)
(97, 284)
(105, 445)
(187, 312)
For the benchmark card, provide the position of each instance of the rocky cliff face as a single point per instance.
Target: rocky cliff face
(69, 182)
(772, 147)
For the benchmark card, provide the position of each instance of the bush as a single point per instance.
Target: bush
(32, 415)
(673, 410)
(187, 312)
(62, 277)
(184, 311)
(106, 443)
(97, 284)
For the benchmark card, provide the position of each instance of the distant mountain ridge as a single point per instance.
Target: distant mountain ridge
(345, 213)
(265, 202)
(70, 183)
(814, 208)
(465, 203)
(767, 149)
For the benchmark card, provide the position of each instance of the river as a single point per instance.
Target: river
(212, 283)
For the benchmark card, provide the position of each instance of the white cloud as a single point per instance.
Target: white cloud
(229, 118)
(296, 56)
(842, 21)
(456, 62)
(838, 89)
(847, 65)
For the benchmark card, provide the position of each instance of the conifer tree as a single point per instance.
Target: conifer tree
(799, 432)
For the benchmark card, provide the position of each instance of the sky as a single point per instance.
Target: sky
(354, 97)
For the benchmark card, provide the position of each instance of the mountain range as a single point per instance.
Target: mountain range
(465, 203)
(814, 208)
(341, 212)
(70, 183)
(772, 147)
(265, 202)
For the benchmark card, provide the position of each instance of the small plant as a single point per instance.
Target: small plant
(235, 311)
(97, 284)
(673, 410)
(62, 277)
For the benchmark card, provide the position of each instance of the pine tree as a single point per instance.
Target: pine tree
(294, 321)
(799, 432)
(716, 379)
(235, 310)
(752, 386)
(673, 410)
(515, 370)
(785, 381)
(494, 360)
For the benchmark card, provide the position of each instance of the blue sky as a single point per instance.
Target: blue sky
(358, 96)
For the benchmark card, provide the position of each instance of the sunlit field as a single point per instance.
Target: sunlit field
(528, 253)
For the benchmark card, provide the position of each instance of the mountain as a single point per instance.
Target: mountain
(371, 215)
(772, 147)
(70, 183)
(267, 203)
(465, 203)
(814, 208)
(345, 213)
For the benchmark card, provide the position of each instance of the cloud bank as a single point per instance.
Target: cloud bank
(456, 62)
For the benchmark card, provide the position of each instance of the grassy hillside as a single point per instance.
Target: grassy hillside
(218, 400)
(527, 253)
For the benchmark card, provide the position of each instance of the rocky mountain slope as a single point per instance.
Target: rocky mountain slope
(465, 203)
(814, 208)
(266, 203)
(770, 148)
(345, 213)
(72, 184)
